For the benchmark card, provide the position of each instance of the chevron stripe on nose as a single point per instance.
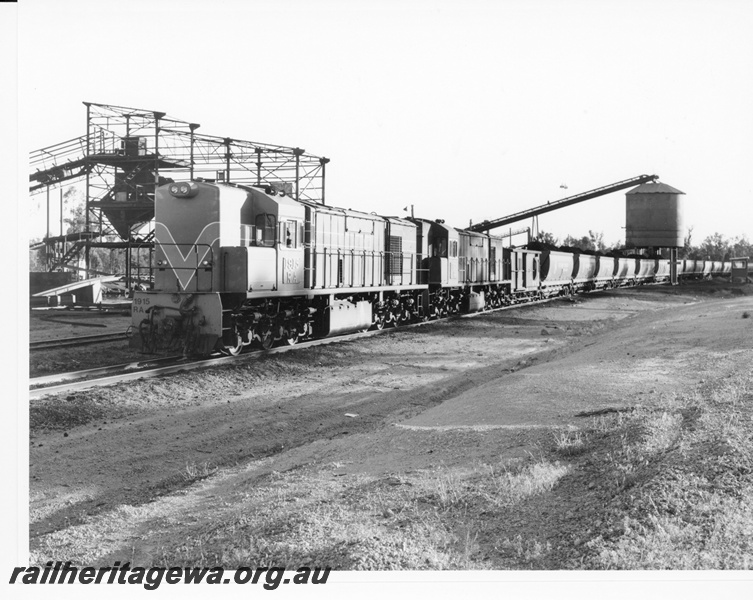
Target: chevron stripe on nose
(178, 261)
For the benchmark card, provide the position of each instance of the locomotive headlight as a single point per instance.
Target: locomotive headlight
(206, 263)
(183, 190)
(159, 263)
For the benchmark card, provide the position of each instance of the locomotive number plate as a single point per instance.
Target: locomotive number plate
(290, 267)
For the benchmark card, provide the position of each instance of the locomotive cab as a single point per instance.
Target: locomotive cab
(442, 263)
(269, 255)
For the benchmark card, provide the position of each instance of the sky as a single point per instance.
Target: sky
(468, 110)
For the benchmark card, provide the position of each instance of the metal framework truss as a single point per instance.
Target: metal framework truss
(127, 152)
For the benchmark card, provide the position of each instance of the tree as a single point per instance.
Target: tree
(107, 260)
(688, 241)
(742, 246)
(583, 243)
(715, 247)
(37, 258)
(74, 207)
(597, 241)
(547, 238)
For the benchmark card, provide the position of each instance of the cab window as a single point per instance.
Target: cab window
(289, 234)
(265, 230)
(439, 247)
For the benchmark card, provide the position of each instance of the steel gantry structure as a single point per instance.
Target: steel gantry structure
(126, 153)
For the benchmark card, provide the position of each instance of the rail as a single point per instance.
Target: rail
(80, 340)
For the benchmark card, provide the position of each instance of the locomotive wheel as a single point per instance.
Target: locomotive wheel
(267, 339)
(234, 350)
(292, 336)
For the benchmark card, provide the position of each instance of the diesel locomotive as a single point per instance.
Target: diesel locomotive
(237, 265)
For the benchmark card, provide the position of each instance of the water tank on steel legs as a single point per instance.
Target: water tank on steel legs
(654, 216)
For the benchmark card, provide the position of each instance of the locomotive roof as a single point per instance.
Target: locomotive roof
(344, 211)
(401, 221)
(282, 199)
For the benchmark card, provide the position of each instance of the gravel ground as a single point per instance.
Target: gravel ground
(136, 470)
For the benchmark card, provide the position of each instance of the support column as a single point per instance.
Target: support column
(297, 152)
(88, 188)
(323, 161)
(192, 127)
(673, 266)
(227, 159)
(47, 243)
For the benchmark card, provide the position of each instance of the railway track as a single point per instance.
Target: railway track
(103, 376)
(82, 380)
(80, 340)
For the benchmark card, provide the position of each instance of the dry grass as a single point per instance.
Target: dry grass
(570, 442)
(425, 520)
(686, 485)
(194, 472)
